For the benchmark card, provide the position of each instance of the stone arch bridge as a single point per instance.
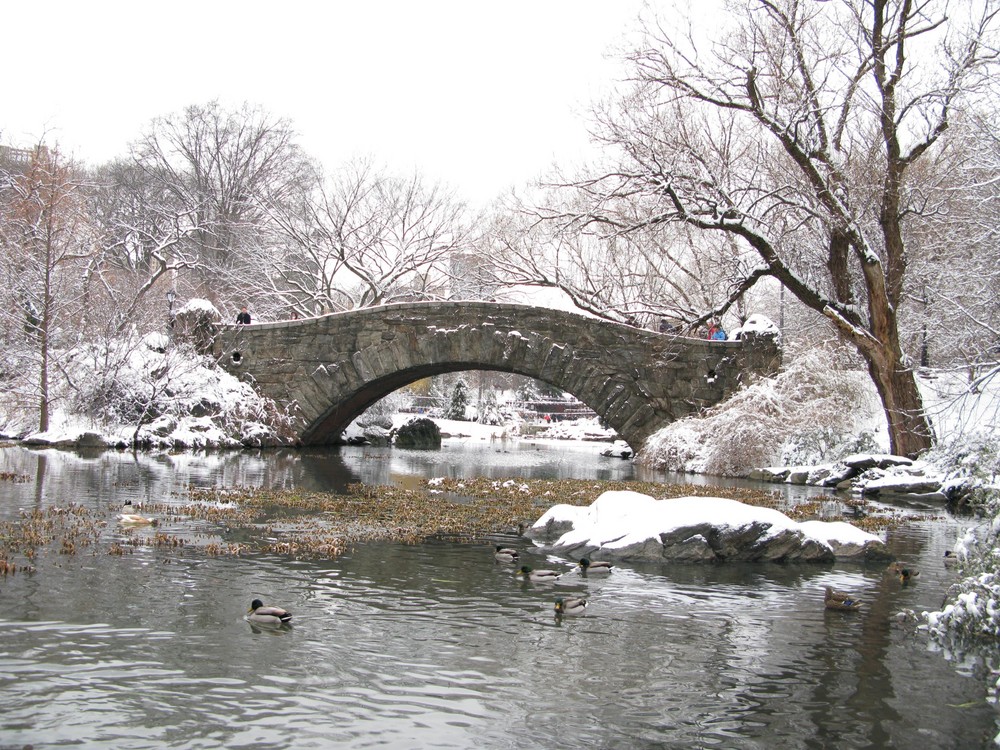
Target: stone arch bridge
(331, 368)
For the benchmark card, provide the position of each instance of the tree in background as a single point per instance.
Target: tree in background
(145, 237)
(636, 277)
(225, 170)
(799, 133)
(363, 237)
(459, 401)
(47, 240)
(953, 317)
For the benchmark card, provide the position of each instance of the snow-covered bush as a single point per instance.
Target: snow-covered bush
(419, 433)
(492, 412)
(973, 607)
(970, 466)
(152, 392)
(810, 411)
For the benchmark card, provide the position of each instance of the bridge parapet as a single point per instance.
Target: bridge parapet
(331, 368)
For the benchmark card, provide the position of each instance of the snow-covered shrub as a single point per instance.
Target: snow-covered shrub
(811, 410)
(419, 433)
(973, 607)
(492, 412)
(972, 610)
(149, 391)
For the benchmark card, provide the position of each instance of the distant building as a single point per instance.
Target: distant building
(15, 158)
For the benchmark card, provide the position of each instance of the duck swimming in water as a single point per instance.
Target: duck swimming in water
(267, 615)
(594, 566)
(129, 518)
(572, 606)
(905, 575)
(539, 576)
(505, 554)
(840, 600)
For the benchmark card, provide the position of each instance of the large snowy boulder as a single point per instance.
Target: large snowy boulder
(631, 526)
(756, 325)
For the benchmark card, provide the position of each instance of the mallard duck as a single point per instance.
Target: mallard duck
(840, 596)
(594, 566)
(542, 576)
(905, 575)
(950, 558)
(505, 554)
(572, 606)
(267, 615)
(128, 518)
(840, 600)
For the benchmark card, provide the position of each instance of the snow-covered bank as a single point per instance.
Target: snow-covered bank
(627, 525)
(809, 413)
(158, 396)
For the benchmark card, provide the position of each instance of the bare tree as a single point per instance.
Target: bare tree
(224, 168)
(361, 238)
(145, 247)
(638, 277)
(798, 132)
(47, 239)
(954, 320)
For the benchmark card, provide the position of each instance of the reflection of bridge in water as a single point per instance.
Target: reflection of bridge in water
(328, 370)
(538, 409)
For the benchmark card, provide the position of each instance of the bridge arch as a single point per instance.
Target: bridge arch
(329, 369)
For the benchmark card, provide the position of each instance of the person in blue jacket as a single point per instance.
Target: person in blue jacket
(716, 332)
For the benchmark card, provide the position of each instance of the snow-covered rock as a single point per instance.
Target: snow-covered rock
(626, 525)
(618, 449)
(868, 473)
(757, 324)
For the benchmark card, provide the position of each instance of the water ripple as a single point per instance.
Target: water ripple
(434, 645)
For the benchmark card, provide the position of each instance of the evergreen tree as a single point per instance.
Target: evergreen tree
(459, 400)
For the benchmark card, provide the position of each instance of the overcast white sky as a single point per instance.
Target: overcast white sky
(480, 95)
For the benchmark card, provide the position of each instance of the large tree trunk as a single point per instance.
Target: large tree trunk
(909, 429)
(895, 380)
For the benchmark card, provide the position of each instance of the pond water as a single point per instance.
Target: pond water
(436, 645)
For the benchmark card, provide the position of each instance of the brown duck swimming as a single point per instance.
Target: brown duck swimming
(840, 600)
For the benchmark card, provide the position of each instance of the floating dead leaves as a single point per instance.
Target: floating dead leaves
(9, 567)
(547, 492)
(240, 520)
(73, 526)
(10, 476)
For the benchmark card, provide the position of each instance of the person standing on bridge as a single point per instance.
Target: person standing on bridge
(716, 332)
(244, 317)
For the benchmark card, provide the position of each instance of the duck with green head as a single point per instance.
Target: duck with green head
(590, 567)
(505, 554)
(267, 615)
(570, 606)
(539, 576)
(128, 516)
(905, 575)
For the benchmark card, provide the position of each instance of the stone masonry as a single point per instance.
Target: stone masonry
(328, 370)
